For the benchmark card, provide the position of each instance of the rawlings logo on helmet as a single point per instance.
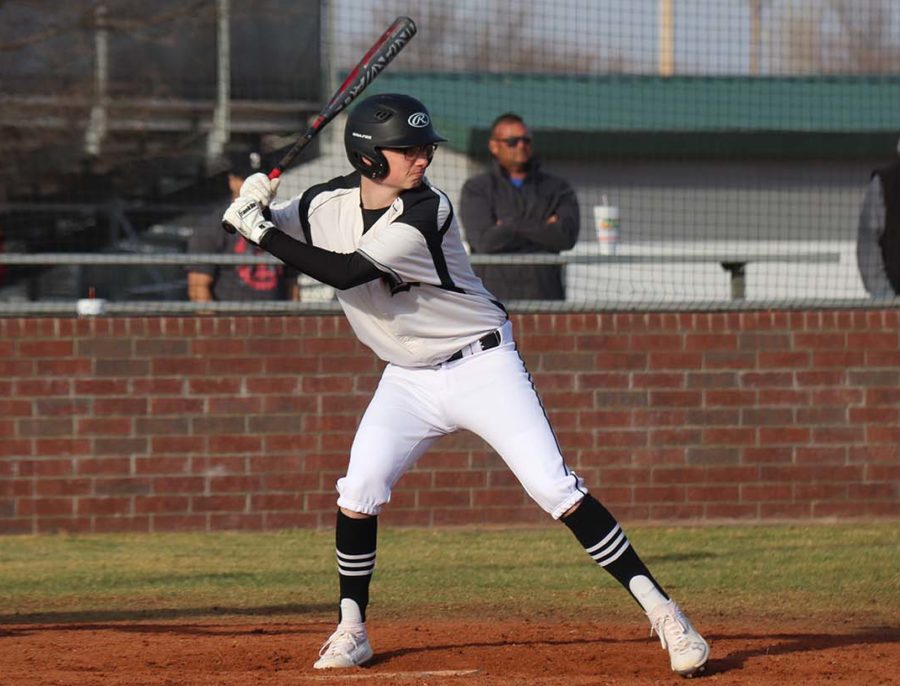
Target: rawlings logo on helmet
(418, 120)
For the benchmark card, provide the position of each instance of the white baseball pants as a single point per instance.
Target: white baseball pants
(489, 393)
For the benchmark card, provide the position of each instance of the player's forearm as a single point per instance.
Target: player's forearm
(338, 270)
(562, 222)
(523, 235)
(497, 238)
(553, 236)
(200, 287)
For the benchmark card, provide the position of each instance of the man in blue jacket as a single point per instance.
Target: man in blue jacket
(517, 207)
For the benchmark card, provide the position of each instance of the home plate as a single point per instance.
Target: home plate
(370, 675)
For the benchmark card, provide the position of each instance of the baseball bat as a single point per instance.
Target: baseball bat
(382, 52)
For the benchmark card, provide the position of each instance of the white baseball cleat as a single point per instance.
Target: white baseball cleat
(349, 645)
(346, 647)
(688, 652)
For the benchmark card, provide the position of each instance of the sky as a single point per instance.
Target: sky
(711, 36)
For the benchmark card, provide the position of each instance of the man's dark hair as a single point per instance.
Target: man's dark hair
(507, 118)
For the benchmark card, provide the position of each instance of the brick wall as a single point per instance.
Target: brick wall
(196, 423)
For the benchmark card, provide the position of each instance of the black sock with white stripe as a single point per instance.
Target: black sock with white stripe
(355, 541)
(603, 539)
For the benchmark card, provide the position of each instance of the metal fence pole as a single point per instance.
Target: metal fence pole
(97, 126)
(221, 128)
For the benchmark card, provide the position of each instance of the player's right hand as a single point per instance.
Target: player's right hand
(245, 216)
(260, 187)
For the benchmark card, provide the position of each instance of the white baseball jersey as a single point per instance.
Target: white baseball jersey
(453, 363)
(430, 303)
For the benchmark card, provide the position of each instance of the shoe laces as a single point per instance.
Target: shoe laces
(673, 629)
(343, 641)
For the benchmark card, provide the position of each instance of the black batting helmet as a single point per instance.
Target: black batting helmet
(388, 120)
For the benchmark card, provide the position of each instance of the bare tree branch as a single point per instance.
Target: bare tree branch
(64, 27)
(507, 37)
(832, 37)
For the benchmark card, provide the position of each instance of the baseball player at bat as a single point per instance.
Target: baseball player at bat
(388, 241)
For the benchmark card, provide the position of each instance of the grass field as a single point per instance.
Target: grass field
(779, 604)
(815, 570)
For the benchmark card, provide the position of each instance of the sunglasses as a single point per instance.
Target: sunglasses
(416, 151)
(513, 141)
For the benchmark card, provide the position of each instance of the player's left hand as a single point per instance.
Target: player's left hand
(260, 187)
(246, 217)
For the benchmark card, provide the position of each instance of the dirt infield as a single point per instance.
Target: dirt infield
(223, 652)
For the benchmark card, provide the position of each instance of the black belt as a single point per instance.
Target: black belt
(488, 341)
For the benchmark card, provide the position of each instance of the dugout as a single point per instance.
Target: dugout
(695, 157)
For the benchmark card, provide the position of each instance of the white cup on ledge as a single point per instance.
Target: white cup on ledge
(90, 307)
(606, 223)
